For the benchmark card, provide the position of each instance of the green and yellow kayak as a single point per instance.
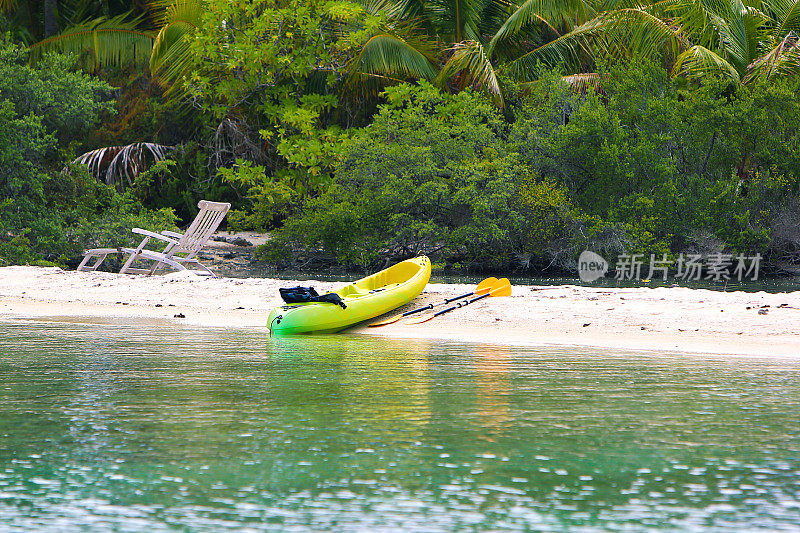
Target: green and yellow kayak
(366, 298)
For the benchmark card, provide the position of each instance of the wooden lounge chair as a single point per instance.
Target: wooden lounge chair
(180, 249)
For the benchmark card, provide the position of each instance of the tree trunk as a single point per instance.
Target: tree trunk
(32, 14)
(50, 17)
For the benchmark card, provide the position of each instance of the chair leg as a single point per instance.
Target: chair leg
(173, 264)
(153, 269)
(201, 265)
(83, 266)
(134, 256)
(128, 263)
(91, 268)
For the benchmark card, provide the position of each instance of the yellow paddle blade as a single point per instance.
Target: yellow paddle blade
(502, 288)
(390, 320)
(498, 283)
(488, 283)
(423, 318)
(485, 286)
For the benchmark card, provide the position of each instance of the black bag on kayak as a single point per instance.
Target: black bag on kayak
(296, 295)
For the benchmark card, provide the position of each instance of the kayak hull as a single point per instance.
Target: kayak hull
(366, 298)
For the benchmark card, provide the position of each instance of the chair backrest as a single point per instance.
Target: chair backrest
(204, 225)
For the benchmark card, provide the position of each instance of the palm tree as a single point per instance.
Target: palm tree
(727, 38)
(155, 38)
(748, 42)
(443, 40)
(480, 39)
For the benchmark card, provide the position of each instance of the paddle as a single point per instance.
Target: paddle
(503, 288)
(483, 287)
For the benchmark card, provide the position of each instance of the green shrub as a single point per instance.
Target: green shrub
(268, 199)
(662, 163)
(431, 175)
(48, 212)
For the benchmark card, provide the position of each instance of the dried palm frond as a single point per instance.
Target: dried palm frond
(7, 6)
(783, 59)
(113, 163)
(471, 62)
(583, 83)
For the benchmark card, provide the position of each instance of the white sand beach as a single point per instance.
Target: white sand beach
(664, 319)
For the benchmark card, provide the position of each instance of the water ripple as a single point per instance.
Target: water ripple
(122, 427)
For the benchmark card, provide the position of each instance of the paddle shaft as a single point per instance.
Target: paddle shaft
(461, 304)
(478, 290)
(445, 302)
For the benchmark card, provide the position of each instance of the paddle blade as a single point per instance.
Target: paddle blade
(390, 320)
(502, 288)
(488, 283)
(423, 318)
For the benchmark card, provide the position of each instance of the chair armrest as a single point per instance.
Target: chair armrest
(159, 236)
(172, 234)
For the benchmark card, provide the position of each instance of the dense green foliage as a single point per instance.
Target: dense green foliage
(673, 132)
(646, 167)
(664, 163)
(48, 211)
(432, 174)
(268, 90)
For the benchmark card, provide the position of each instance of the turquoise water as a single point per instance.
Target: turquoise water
(132, 428)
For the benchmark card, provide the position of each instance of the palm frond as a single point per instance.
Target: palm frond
(738, 38)
(583, 83)
(165, 12)
(637, 32)
(389, 54)
(698, 62)
(171, 58)
(694, 18)
(552, 13)
(564, 51)
(392, 8)
(412, 10)
(786, 14)
(783, 59)
(455, 20)
(122, 161)
(104, 41)
(470, 61)
(7, 6)
(622, 33)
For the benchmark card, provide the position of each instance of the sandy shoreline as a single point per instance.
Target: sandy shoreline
(669, 319)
